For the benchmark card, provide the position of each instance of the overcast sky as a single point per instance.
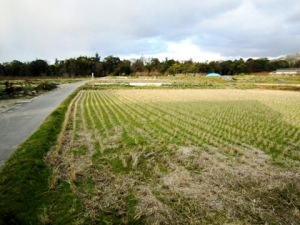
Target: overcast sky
(178, 29)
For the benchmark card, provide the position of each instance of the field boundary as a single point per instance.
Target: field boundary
(25, 175)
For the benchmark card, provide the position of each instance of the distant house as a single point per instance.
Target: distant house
(289, 71)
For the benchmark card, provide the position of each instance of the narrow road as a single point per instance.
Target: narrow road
(19, 123)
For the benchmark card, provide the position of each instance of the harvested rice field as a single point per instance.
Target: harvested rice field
(159, 156)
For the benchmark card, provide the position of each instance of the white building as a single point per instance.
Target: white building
(289, 71)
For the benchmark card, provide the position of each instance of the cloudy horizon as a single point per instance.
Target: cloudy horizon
(181, 29)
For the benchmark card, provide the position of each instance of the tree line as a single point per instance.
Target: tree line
(112, 65)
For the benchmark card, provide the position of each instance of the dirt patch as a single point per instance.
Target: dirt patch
(185, 151)
(6, 105)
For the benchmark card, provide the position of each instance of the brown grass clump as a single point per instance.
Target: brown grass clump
(113, 141)
(240, 187)
(150, 208)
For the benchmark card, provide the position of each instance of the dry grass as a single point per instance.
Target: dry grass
(151, 208)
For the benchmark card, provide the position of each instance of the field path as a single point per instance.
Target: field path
(18, 123)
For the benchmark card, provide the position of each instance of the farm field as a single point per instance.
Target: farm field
(174, 156)
(270, 82)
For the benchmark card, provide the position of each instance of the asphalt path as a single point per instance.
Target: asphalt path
(20, 122)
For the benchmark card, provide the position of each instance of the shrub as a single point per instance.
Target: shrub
(46, 86)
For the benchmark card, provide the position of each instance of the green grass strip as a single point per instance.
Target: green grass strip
(25, 197)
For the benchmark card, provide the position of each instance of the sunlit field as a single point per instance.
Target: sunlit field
(160, 156)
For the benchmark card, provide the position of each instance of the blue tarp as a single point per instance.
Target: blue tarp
(213, 75)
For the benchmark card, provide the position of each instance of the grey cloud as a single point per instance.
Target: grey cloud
(250, 31)
(53, 28)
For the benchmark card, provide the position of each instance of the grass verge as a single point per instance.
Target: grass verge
(25, 197)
